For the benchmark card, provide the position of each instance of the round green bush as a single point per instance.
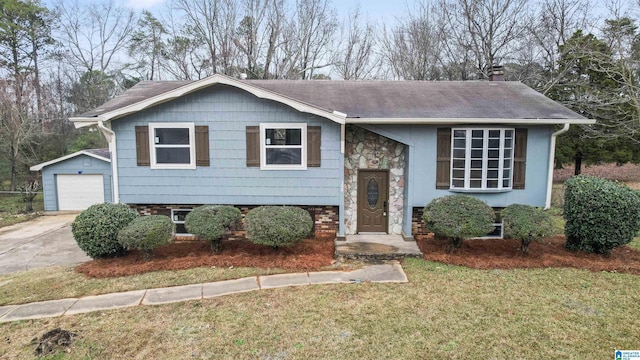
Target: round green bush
(146, 233)
(278, 225)
(527, 224)
(96, 229)
(600, 214)
(211, 222)
(456, 217)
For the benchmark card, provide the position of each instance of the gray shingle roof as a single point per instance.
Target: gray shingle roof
(100, 152)
(391, 99)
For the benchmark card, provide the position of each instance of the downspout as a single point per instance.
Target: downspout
(111, 138)
(552, 155)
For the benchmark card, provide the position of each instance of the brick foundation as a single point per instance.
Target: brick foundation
(325, 218)
(417, 224)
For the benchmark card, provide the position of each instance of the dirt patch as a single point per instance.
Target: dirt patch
(503, 254)
(307, 255)
(53, 341)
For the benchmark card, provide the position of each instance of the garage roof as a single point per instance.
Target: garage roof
(100, 154)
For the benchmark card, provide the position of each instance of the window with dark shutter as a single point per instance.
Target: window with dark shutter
(443, 154)
(253, 146)
(142, 146)
(313, 145)
(202, 146)
(520, 159)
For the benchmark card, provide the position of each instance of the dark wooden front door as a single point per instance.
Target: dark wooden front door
(373, 199)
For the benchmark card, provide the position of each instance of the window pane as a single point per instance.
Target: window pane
(458, 153)
(283, 137)
(492, 174)
(476, 143)
(284, 156)
(507, 143)
(494, 133)
(506, 173)
(459, 133)
(459, 174)
(508, 134)
(494, 143)
(476, 164)
(493, 164)
(506, 183)
(507, 163)
(475, 184)
(458, 164)
(459, 143)
(492, 184)
(477, 133)
(173, 155)
(477, 154)
(476, 174)
(494, 154)
(507, 153)
(459, 183)
(181, 229)
(172, 136)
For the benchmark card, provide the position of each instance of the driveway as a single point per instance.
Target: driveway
(41, 242)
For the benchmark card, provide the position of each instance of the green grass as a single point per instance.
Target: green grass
(12, 209)
(63, 282)
(444, 312)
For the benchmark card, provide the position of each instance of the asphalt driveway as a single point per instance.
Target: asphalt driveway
(41, 242)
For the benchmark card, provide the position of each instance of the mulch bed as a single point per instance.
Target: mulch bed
(306, 255)
(503, 254)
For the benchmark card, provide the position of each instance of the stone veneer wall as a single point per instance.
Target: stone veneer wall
(325, 218)
(367, 150)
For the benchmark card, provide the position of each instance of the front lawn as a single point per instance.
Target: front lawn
(444, 312)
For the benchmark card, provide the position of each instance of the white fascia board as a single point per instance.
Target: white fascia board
(197, 85)
(66, 157)
(485, 121)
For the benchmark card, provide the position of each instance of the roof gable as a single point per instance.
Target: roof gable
(100, 154)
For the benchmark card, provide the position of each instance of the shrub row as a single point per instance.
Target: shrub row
(146, 233)
(211, 222)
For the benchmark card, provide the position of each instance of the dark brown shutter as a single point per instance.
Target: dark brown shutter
(142, 145)
(253, 146)
(202, 146)
(313, 146)
(520, 159)
(443, 165)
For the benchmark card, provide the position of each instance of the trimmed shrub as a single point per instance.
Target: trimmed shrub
(212, 222)
(96, 229)
(527, 224)
(457, 217)
(600, 214)
(146, 233)
(277, 225)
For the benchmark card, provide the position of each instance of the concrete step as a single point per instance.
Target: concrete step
(373, 247)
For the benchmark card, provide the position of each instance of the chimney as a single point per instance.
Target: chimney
(496, 73)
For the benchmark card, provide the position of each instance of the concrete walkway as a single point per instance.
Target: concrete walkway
(44, 309)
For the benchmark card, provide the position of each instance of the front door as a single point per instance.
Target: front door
(373, 199)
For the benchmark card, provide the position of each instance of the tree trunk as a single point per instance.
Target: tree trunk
(577, 162)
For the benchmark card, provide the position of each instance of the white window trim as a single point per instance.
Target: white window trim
(467, 170)
(192, 145)
(173, 219)
(263, 146)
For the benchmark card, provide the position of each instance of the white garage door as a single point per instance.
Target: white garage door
(78, 192)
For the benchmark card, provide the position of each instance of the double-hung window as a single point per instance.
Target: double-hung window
(283, 146)
(172, 145)
(482, 159)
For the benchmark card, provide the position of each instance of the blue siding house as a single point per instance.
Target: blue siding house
(361, 156)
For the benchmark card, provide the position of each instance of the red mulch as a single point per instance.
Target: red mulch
(503, 254)
(306, 255)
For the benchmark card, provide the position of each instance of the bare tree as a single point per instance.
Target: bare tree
(146, 46)
(412, 48)
(355, 58)
(486, 28)
(94, 34)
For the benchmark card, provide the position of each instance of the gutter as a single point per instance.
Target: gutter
(111, 138)
(552, 155)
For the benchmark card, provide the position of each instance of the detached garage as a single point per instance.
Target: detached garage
(76, 181)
